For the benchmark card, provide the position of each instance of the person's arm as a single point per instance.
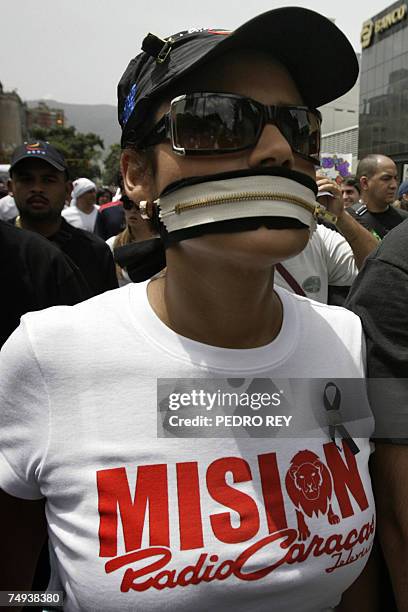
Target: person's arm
(23, 531)
(361, 241)
(380, 297)
(390, 482)
(24, 435)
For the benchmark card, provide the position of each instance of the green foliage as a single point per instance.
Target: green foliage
(81, 151)
(110, 175)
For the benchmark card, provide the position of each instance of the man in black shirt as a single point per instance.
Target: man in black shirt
(378, 182)
(40, 188)
(89, 253)
(34, 275)
(379, 296)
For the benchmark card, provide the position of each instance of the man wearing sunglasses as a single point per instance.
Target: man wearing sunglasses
(140, 521)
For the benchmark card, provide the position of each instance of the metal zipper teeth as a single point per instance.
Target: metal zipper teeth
(240, 197)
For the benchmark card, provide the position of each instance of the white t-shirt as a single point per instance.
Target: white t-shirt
(124, 276)
(138, 522)
(8, 208)
(326, 260)
(77, 218)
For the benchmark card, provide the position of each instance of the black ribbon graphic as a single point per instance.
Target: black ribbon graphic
(335, 419)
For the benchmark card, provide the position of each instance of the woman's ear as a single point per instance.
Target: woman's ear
(137, 173)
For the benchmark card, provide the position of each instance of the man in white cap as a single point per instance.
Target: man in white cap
(82, 211)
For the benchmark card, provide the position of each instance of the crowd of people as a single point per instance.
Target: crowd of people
(223, 253)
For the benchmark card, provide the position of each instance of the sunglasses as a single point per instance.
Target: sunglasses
(127, 202)
(216, 123)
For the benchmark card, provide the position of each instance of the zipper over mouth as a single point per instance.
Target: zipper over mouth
(238, 198)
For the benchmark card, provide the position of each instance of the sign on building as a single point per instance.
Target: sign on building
(370, 27)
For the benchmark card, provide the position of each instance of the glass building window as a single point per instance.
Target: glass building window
(397, 63)
(383, 109)
(371, 80)
(397, 43)
(363, 83)
(379, 77)
(388, 48)
(369, 59)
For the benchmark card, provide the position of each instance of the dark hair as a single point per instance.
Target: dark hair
(104, 191)
(351, 181)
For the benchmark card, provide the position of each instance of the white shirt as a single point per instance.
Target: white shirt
(136, 520)
(124, 276)
(326, 260)
(77, 218)
(8, 208)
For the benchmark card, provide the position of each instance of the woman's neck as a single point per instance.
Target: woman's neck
(221, 305)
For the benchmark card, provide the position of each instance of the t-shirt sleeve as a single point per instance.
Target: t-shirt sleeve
(341, 265)
(24, 417)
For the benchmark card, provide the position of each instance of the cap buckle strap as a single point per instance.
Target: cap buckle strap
(157, 47)
(164, 53)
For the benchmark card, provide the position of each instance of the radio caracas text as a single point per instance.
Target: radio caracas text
(327, 488)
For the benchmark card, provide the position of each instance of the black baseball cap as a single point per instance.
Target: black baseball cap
(316, 53)
(39, 149)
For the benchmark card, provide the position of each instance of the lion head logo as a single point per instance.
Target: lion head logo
(308, 478)
(309, 486)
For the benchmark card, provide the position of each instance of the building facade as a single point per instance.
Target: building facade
(12, 123)
(16, 121)
(340, 126)
(341, 114)
(44, 117)
(383, 109)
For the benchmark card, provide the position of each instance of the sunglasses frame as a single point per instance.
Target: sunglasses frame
(127, 203)
(165, 127)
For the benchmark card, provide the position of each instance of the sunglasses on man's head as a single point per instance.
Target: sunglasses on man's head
(216, 123)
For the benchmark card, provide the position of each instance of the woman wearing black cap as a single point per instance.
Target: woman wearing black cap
(139, 517)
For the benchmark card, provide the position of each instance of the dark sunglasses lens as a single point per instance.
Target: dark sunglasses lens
(127, 203)
(301, 128)
(215, 123)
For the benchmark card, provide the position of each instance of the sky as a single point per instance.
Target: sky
(75, 51)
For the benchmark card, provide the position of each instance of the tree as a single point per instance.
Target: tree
(82, 152)
(110, 175)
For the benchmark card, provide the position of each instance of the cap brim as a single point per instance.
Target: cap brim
(43, 158)
(317, 54)
(299, 38)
